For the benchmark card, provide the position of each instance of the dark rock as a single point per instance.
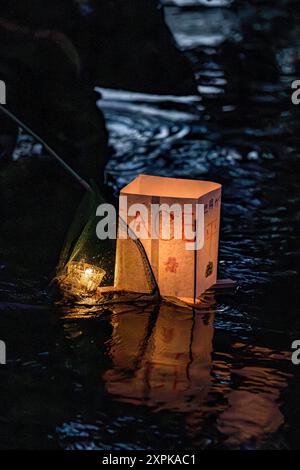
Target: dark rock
(128, 45)
(122, 44)
(38, 204)
(46, 89)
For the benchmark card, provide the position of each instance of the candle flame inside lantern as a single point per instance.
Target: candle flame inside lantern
(84, 278)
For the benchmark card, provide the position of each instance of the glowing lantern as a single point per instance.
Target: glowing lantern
(178, 223)
(83, 278)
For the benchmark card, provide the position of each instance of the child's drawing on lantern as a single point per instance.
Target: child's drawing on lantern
(171, 265)
(212, 235)
(209, 269)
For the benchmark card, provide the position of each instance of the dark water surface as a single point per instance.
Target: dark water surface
(149, 376)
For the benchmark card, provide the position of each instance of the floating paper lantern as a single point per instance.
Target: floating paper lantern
(178, 223)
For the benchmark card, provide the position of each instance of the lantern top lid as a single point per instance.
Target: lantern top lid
(170, 187)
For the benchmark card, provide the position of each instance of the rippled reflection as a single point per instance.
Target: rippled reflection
(224, 391)
(165, 365)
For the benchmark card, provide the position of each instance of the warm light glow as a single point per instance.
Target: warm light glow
(88, 272)
(83, 279)
(184, 265)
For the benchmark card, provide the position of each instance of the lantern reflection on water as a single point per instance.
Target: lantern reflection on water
(166, 361)
(168, 368)
(83, 278)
